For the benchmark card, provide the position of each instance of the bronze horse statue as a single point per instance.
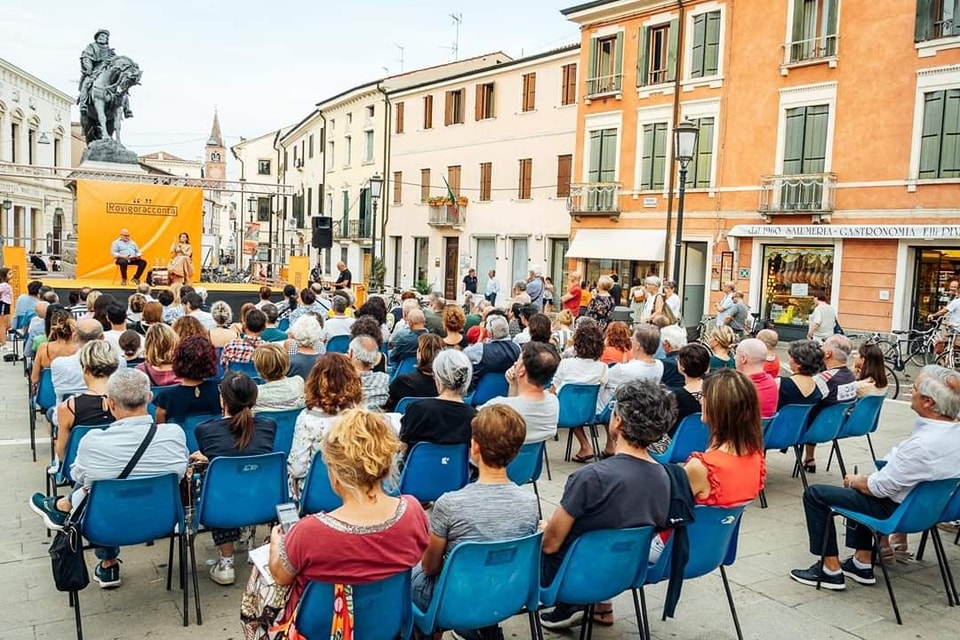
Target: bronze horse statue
(109, 99)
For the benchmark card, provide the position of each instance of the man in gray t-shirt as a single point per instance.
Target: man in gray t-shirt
(736, 317)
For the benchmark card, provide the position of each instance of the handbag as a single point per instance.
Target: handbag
(667, 311)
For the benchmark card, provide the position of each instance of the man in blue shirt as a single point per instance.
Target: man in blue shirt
(126, 252)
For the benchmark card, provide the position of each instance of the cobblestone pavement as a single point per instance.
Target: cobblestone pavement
(770, 605)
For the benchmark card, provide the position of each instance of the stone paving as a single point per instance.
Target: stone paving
(770, 605)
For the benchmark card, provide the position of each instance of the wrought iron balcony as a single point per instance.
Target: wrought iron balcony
(604, 85)
(447, 215)
(810, 50)
(594, 199)
(352, 229)
(810, 193)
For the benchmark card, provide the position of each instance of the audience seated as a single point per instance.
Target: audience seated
(693, 363)
(272, 333)
(289, 303)
(642, 366)
(332, 387)
(302, 347)
(722, 339)
(672, 339)
(98, 361)
(241, 349)
(264, 294)
(540, 328)
(364, 353)
(583, 368)
(100, 310)
(238, 327)
(131, 347)
(931, 452)
(400, 326)
(223, 333)
(36, 328)
(562, 330)
(371, 537)
(522, 314)
(310, 304)
(194, 360)
(836, 383)
(278, 392)
(375, 307)
(617, 346)
(186, 326)
(770, 339)
(152, 314)
(405, 346)
(497, 353)
(418, 383)
(61, 342)
(528, 378)
(454, 321)
(193, 306)
(750, 356)
(160, 344)
(433, 314)
(489, 510)
(804, 358)
(339, 323)
(102, 455)
(446, 418)
(368, 326)
(238, 433)
(117, 317)
(172, 309)
(869, 368)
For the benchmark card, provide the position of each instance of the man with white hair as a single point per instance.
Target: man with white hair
(105, 454)
(339, 323)
(751, 356)
(497, 354)
(931, 452)
(837, 383)
(364, 353)
(672, 338)
(406, 345)
(401, 327)
(534, 286)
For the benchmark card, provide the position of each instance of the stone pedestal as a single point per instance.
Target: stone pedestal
(108, 150)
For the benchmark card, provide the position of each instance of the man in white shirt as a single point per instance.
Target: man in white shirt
(66, 372)
(952, 310)
(493, 287)
(339, 324)
(536, 366)
(643, 366)
(402, 327)
(125, 252)
(823, 320)
(193, 305)
(725, 305)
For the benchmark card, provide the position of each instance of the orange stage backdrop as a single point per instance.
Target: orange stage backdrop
(154, 215)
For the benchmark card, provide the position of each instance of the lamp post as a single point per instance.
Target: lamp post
(685, 145)
(251, 203)
(376, 189)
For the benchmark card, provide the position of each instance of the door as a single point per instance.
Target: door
(486, 261)
(693, 288)
(451, 266)
(558, 266)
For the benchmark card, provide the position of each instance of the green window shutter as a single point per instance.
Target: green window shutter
(711, 61)
(593, 173)
(956, 17)
(642, 62)
(703, 158)
(608, 155)
(931, 134)
(618, 63)
(923, 30)
(659, 154)
(950, 145)
(793, 142)
(697, 52)
(672, 50)
(797, 31)
(592, 67)
(815, 139)
(646, 159)
(829, 44)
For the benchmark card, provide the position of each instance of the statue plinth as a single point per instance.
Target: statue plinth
(108, 150)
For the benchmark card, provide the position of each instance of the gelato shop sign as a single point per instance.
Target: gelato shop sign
(867, 231)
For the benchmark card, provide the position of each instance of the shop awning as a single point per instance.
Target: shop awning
(618, 244)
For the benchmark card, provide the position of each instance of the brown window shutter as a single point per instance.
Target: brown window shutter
(529, 91)
(428, 112)
(448, 109)
(478, 103)
(397, 186)
(399, 117)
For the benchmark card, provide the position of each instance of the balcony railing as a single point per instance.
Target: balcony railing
(604, 84)
(447, 215)
(801, 193)
(594, 199)
(352, 229)
(810, 50)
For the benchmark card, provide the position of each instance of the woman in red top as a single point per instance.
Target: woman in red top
(372, 536)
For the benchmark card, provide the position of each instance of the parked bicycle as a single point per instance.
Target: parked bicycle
(914, 346)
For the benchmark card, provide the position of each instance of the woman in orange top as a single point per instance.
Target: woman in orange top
(617, 346)
(586, 295)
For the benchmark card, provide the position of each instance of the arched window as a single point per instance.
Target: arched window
(214, 157)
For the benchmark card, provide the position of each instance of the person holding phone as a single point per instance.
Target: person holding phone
(238, 433)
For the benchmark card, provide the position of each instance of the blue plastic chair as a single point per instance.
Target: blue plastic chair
(599, 565)
(189, 427)
(286, 423)
(526, 468)
(62, 477)
(432, 470)
(338, 344)
(45, 399)
(244, 367)
(133, 511)
(827, 424)
(407, 365)
(691, 435)
(578, 408)
(283, 324)
(152, 408)
(785, 431)
(220, 369)
(863, 419)
(403, 403)
(484, 583)
(382, 610)
(318, 494)
(951, 513)
(920, 511)
(489, 386)
(713, 537)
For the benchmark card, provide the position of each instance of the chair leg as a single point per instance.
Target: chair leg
(823, 545)
(76, 614)
(641, 621)
(886, 578)
(536, 492)
(566, 456)
(763, 499)
(646, 614)
(945, 571)
(733, 607)
(799, 467)
(546, 463)
(595, 441)
(833, 450)
(191, 539)
(843, 467)
(872, 454)
(170, 566)
(33, 430)
(182, 562)
(923, 545)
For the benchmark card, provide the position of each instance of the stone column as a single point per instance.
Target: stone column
(27, 227)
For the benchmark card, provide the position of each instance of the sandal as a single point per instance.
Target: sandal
(603, 617)
(583, 459)
(810, 465)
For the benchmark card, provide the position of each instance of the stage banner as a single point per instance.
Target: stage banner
(154, 215)
(298, 272)
(15, 259)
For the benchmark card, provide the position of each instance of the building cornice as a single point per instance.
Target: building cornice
(37, 81)
(602, 10)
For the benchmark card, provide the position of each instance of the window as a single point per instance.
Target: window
(526, 174)
(698, 171)
(31, 146)
(657, 62)
(399, 118)
(215, 157)
(804, 153)
(330, 154)
(529, 92)
(814, 31)
(345, 203)
(295, 156)
(519, 260)
(333, 124)
(263, 166)
(453, 110)
(310, 146)
(940, 139)
(453, 179)
(654, 157)
(348, 150)
(263, 209)
(397, 187)
(484, 102)
(486, 170)
(320, 208)
(568, 84)
(349, 119)
(428, 112)
(368, 146)
(328, 210)
(564, 169)
(937, 19)
(421, 260)
(602, 169)
(606, 62)
(371, 110)
(309, 205)
(56, 151)
(424, 184)
(705, 52)
(14, 142)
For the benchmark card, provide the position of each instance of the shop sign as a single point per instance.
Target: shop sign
(873, 231)
(744, 272)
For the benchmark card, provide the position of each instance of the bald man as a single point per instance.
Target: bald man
(405, 346)
(125, 252)
(345, 279)
(751, 356)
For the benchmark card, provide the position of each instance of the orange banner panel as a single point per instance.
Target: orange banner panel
(155, 216)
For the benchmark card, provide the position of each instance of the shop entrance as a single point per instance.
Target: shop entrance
(933, 270)
(791, 275)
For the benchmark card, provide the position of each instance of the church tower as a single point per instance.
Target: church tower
(215, 164)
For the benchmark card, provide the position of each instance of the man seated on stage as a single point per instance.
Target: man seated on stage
(126, 252)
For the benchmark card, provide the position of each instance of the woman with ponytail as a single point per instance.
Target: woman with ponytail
(238, 433)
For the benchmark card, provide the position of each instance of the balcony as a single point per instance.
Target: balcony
(604, 85)
(595, 199)
(809, 51)
(443, 214)
(352, 229)
(808, 193)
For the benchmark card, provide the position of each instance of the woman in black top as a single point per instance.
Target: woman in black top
(238, 433)
(98, 360)
(805, 361)
(194, 360)
(693, 362)
(418, 383)
(446, 418)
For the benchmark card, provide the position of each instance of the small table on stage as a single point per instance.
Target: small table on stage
(159, 277)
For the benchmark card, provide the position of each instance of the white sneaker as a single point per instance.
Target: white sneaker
(222, 572)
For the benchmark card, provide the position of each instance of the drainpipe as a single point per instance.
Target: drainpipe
(672, 159)
(384, 199)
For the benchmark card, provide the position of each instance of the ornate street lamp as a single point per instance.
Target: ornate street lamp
(376, 190)
(685, 145)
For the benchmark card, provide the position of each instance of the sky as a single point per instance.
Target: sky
(262, 65)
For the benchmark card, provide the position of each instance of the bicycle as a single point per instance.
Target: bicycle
(920, 351)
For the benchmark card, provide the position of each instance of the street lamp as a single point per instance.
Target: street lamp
(376, 190)
(685, 144)
(251, 205)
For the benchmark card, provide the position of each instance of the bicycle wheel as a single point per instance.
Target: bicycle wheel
(921, 352)
(893, 383)
(889, 350)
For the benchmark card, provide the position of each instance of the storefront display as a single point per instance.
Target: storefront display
(791, 277)
(935, 268)
(626, 269)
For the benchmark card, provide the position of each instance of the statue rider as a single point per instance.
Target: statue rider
(94, 56)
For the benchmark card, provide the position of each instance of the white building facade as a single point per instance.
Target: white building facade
(34, 131)
(302, 167)
(500, 141)
(260, 162)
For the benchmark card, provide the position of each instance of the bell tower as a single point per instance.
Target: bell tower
(215, 163)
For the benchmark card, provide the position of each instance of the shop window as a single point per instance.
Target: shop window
(792, 274)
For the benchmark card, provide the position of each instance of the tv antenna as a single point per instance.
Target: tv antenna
(457, 19)
(400, 50)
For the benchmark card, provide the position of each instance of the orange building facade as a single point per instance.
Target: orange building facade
(828, 156)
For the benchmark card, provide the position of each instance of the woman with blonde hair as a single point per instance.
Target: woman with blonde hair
(722, 341)
(159, 346)
(278, 392)
(187, 326)
(61, 341)
(180, 268)
(602, 303)
(223, 333)
(359, 450)
(91, 301)
(332, 387)
(562, 330)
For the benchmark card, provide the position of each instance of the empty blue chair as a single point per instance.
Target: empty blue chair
(220, 369)
(189, 427)
(407, 365)
(578, 408)
(432, 470)
(484, 583)
(382, 610)
(338, 344)
(489, 386)
(286, 422)
(785, 431)
(862, 420)
(244, 367)
(691, 435)
(403, 403)
(318, 494)
(526, 468)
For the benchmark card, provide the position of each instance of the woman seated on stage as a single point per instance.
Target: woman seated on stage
(180, 268)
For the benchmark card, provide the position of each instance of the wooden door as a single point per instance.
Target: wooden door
(451, 267)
